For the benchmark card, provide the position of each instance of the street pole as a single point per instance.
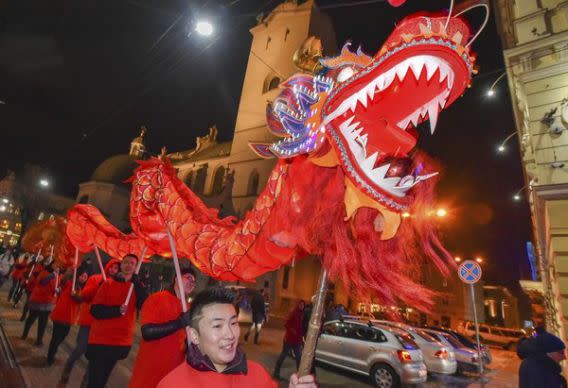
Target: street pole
(479, 358)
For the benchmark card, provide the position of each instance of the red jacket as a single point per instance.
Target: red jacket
(67, 309)
(186, 376)
(117, 331)
(31, 278)
(44, 290)
(18, 271)
(88, 293)
(294, 328)
(157, 358)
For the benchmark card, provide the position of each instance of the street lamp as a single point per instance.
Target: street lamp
(458, 259)
(479, 259)
(5, 200)
(441, 212)
(204, 28)
(43, 182)
(502, 147)
(491, 90)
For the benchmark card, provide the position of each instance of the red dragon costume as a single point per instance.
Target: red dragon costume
(347, 170)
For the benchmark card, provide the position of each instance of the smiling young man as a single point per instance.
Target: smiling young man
(112, 330)
(163, 324)
(214, 358)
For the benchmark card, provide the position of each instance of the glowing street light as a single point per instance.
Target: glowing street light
(5, 200)
(517, 197)
(204, 28)
(441, 212)
(44, 182)
(2, 208)
(490, 93)
(491, 90)
(457, 259)
(479, 259)
(501, 148)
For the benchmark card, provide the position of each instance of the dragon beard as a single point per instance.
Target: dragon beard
(350, 250)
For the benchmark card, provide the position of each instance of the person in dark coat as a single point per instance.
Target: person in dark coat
(541, 357)
(293, 338)
(258, 316)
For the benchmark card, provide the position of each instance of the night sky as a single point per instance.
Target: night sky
(80, 77)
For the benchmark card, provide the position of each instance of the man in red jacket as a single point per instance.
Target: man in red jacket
(112, 330)
(163, 343)
(40, 303)
(85, 297)
(213, 358)
(293, 339)
(66, 310)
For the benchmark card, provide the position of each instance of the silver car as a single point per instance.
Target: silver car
(387, 355)
(439, 357)
(467, 358)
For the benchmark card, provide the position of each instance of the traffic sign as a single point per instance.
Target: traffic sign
(469, 272)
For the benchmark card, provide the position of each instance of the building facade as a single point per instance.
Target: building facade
(535, 40)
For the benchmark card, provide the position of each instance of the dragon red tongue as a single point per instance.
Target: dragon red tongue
(388, 139)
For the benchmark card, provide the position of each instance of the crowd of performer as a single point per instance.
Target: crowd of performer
(195, 348)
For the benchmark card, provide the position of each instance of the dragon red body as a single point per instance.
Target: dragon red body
(347, 170)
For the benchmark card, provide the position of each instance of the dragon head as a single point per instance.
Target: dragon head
(361, 112)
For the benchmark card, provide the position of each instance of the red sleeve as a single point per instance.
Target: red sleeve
(90, 290)
(101, 294)
(150, 312)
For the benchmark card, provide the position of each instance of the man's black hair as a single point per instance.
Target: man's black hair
(130, 255)
(188, 270)
(213, 295)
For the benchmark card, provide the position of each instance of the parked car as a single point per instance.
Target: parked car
(501, 336)
(467, 359)
(467, 342)
(387, 355)
(439, 357)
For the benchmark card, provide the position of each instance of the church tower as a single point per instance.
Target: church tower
(137, 147)
(275, 41)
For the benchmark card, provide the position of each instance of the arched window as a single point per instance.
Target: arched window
(200, 181)
(270, 83)
(252, 188)
(218, 180)
(189, 179)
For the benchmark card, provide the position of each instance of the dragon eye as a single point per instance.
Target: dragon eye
(345, 74)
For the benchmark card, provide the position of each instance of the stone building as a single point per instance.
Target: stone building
(535, 40)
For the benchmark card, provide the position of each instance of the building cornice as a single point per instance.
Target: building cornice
(535, 45)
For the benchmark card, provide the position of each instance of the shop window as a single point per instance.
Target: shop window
(5, 224)
(18, 227)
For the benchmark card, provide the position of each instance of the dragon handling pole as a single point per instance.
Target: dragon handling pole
(314, 327)
(127, 300)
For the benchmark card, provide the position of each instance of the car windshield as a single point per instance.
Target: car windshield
(454, 342)
(426, 336)
(406, 341)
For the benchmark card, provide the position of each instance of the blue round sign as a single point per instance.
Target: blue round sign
(469, 272)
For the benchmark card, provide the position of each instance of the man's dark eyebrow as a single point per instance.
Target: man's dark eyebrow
(223, 319)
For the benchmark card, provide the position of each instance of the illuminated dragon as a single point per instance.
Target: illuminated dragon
(347, 170)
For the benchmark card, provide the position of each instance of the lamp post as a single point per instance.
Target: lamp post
(501, 148)
(203, 27)
(491, 90)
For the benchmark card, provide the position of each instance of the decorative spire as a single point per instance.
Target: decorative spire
(137, 147)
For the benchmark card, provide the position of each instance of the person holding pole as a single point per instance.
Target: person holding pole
(213, 357)
(41, 302)
(65, 312)
(17, 274)
(163, 343)
(112, 330)
(85, 297)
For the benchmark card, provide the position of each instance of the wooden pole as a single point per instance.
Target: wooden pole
(314, 327)
(179, 279)
(127, 300)
(100, 263)
(75, 262)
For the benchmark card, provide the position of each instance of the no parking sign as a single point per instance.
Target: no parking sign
(469, 272)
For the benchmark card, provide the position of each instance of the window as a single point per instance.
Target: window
(84, 199)
(286, 34)
(41, 216)
(285, 278)
(268, 40)
(366, 333)
(189, 179)
(18, 227)
(330, 328)
(200, 181)
(5, 224)
(252, 188)
(218, 180)
(271, 82)
(13, 241)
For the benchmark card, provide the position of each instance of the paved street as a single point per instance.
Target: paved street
(35, 372)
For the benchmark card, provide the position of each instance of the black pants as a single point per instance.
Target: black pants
(13, 289)
(41, 316)
(288, 349)
(102, 359)
(60, 331)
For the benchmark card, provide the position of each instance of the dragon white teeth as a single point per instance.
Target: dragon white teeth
(433, 115)
(401, 71)
(416, 69)
(431, 68)
(369, 163)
